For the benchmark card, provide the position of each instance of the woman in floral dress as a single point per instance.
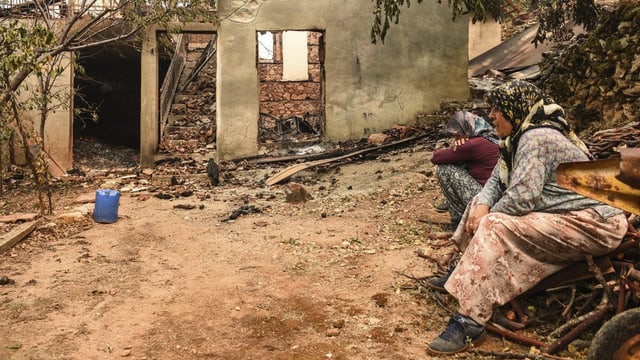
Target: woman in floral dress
(522, 226)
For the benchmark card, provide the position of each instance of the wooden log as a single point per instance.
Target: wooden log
(301, 166)
(596, 317)
(18, 217)
(509, 335)
(8, 240)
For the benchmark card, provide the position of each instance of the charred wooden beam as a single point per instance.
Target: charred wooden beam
(593, 318)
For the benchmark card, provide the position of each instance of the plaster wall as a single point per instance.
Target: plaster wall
(58, 130)
(369, 87)
(483, 36)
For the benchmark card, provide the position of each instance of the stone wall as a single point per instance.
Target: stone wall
(597, 78)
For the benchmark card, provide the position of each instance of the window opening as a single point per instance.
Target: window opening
(291, 80)
(265, 46)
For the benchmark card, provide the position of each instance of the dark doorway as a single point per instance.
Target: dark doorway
(107, 100)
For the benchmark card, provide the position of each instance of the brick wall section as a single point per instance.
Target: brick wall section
(199, 38)
(286, 98)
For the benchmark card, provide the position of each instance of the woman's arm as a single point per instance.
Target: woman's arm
(491, 192)
(470, 150)
(528, 176)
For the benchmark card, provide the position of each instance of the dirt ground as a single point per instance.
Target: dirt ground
(328, 278)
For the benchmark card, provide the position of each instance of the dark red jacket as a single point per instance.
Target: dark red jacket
(478, 155)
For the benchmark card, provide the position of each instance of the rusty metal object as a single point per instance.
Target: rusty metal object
(630, 167)
(613, 181)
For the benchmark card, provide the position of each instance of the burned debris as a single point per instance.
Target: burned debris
(290, 129)
(242, 210)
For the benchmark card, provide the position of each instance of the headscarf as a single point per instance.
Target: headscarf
(526, 107)
(469, 125)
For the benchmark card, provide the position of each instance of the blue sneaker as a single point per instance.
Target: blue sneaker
(460, 334)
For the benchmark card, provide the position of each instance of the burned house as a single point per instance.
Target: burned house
(281, 73)
(323, 71)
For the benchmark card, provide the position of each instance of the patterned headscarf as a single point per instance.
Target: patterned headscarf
(526, 107)
(469, 125)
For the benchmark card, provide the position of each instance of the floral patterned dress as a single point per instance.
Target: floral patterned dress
(534, 229)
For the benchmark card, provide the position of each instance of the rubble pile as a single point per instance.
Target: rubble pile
(597, 77)
(191, 126)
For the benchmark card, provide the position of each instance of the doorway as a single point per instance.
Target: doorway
(291, 80)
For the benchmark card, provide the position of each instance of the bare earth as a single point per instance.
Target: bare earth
(323, 279)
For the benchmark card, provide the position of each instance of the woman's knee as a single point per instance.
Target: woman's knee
(446, 172)
(498, 221)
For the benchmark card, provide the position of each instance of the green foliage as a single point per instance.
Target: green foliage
(552, 15)
(22, 46)
(387, 12)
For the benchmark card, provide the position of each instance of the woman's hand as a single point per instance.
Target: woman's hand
(471, 226)
(459, 141)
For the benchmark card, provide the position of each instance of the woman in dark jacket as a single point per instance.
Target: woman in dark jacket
(464, 168)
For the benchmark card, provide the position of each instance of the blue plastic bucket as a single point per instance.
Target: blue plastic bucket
(106, 207)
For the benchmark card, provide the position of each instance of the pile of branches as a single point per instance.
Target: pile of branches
(605, 144)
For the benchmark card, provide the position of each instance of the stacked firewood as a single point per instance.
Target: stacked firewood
(606, 144)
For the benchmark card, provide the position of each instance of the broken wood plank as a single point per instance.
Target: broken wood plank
(301, 166)
(18, 217)
(85, 198)
(315, 156)
(8, 240)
